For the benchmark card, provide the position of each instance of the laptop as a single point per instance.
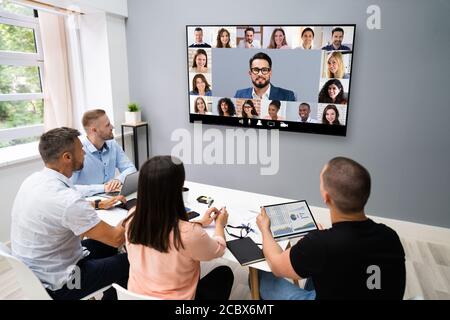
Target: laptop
(290, 220)
(129, 186)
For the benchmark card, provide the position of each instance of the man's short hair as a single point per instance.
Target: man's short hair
(55, 142)
(198, 29)
(337, 29)
(249, 29)
(90, 116)
(305, 104)
(348, 184)
(262, 56)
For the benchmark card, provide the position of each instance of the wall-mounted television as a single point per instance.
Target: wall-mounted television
(290, 77)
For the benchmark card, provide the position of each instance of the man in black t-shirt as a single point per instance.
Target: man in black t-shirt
(355, 259)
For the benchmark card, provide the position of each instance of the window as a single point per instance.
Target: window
(21, 67)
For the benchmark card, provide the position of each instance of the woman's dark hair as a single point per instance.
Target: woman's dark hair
(306, 30)
(199, 52)
(159, 206)
(275, 103)
(219, 43)
(324, 115)
(250, 103)
(194, 83)
(231, 108)
(325, 98)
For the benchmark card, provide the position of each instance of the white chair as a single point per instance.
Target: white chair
(19, 282)
(124, 294)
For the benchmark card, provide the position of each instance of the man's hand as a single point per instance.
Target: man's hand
(113, 185)
(209, 216)
(109, 203)
(263, 221)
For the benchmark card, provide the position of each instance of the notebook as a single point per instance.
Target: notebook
(246, 251)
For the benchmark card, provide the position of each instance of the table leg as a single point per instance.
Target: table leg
(123, 140)
(136, 152)
(146, 132)
(254, 283)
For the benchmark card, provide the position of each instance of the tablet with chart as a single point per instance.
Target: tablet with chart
(290, 220)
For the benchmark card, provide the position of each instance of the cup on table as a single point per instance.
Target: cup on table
(185, 195)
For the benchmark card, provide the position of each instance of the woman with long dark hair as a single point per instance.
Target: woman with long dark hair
(330, 115)
(332, 92)
(249, 110)
(164, 248)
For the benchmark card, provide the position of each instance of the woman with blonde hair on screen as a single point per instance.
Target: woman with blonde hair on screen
(335, 63)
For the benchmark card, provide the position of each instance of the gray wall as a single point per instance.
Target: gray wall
(398, 122)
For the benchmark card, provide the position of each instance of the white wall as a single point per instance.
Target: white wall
(11, 177)
(399, 110)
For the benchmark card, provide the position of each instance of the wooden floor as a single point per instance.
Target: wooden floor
(427, 272)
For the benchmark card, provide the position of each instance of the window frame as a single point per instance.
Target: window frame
(23, 59)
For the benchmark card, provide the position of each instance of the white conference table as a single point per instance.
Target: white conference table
(243, 208)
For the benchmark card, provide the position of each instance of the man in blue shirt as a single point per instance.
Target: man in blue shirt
(337, 35)
(103, 156)
(260, 72)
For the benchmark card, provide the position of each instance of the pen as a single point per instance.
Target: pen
(210, 203)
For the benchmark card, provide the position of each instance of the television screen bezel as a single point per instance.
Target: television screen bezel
(292, 126)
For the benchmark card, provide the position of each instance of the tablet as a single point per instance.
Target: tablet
(290, 220)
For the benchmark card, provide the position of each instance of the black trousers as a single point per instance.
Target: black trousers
(102, 267)
(216, 285)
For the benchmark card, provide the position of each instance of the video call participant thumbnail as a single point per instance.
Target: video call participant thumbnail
(199, 43)
(332, 92)
(304, 110)
(260, 73)
(249, 41)
(337, 35)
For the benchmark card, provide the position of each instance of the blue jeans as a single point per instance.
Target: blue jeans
(273, 288)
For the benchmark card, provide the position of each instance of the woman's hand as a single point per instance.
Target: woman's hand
(209, 216)
(222, 218)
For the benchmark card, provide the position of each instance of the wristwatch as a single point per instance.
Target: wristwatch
(96, 203)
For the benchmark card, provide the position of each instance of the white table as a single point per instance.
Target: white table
(242, 207)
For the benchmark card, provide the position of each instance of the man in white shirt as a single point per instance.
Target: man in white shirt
(304, 109)
(50, 217)
(249, 41)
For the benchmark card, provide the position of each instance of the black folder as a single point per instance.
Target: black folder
(246, 251)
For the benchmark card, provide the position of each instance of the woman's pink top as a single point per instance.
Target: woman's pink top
(172, 275)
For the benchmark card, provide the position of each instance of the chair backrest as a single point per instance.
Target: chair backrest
(124, 294)
(17, 280)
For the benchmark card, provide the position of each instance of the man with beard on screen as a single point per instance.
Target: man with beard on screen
(103, 156)
(260, 73)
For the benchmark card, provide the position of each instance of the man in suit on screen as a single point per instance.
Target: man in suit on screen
(260, 72)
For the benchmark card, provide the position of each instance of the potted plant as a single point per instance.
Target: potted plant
(133, 115)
